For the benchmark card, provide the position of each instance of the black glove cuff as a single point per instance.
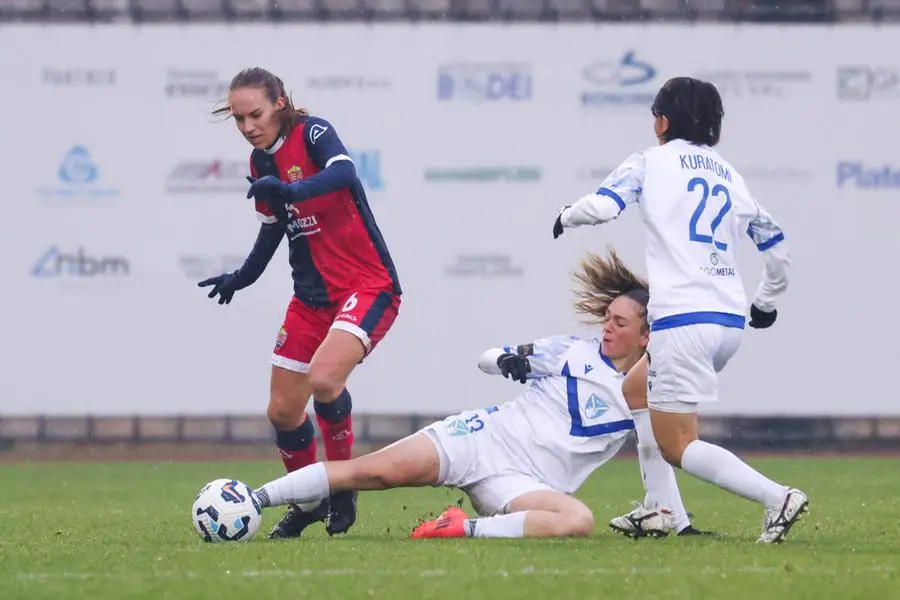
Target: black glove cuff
(503, 357)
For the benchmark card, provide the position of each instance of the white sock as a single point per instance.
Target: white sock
(500, 526)
(306, 485)
(658, 475)
(720, 467)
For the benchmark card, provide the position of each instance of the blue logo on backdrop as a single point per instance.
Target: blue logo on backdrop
(54, 263)
(859, 176)
(865, 83)
(484, 82)
(368, 168)
(78, 177)
(624, 83)
(77, 167)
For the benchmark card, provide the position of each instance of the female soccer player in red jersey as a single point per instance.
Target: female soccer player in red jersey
(346, 291)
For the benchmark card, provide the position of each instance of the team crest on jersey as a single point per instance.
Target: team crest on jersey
(595, 407)
(316, 131)
(295, 173)
(280, 338)
(457, 427)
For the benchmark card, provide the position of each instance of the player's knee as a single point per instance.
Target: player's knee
(572, 523)
(283, 414)
(327, 381)
(578, 523)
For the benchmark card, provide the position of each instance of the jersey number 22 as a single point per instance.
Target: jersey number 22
(717, 190)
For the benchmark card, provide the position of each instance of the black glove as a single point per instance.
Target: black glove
(557, 225)
(514, 366)
(225, 285)
(272, 191)
(760, 319)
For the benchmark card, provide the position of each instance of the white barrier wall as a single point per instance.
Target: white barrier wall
(121, 193)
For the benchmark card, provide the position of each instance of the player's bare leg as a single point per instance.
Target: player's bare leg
(658, 476)
(329, 369)
(676, 433)
(542, 513)
(410, 462)
(289, 393)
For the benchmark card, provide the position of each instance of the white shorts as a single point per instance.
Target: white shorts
(684, 362)
(472, 460)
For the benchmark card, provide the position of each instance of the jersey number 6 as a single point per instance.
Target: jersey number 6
(351, 303)
(717, 190)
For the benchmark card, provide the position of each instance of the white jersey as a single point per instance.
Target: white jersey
(696, 207)
(566, 422)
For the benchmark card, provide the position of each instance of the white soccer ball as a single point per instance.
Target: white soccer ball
(225, 510)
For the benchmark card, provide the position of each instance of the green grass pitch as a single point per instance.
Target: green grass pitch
(123, 530)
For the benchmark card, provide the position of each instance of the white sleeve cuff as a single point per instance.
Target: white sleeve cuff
(487, 362)
(591, 210)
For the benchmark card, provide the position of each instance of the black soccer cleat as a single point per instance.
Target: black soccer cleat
(341, 512)
(296, 520)
(691, 530)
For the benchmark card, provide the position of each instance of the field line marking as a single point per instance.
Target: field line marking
(522, 571)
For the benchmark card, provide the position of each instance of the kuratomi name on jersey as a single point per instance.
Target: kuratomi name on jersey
(696, 162)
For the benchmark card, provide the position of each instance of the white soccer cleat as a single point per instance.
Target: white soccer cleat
(778, 522)
(643, 521)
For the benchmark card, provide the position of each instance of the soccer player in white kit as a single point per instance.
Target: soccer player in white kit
(519, 462)
(695, 206)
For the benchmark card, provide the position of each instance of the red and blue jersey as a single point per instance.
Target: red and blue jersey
(335, 244)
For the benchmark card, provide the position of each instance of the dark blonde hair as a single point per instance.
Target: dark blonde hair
(602, 280)
(257, 77)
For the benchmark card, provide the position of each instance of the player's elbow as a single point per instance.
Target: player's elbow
(777, 251)
(593, 209)
(778, 266)
(344, 172)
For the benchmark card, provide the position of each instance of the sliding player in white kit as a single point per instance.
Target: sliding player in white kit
(695, 206)
(520, 461)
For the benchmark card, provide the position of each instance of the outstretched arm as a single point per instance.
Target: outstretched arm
(225, 285)
(267, 241)
(526, 361)
(621, 188)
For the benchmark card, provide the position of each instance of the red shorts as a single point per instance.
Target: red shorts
(367, 314)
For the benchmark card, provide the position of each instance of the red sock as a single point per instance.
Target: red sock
(337, 437)
(297, 447)
(297, 459)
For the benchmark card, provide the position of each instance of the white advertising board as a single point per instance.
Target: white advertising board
(122, 192)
